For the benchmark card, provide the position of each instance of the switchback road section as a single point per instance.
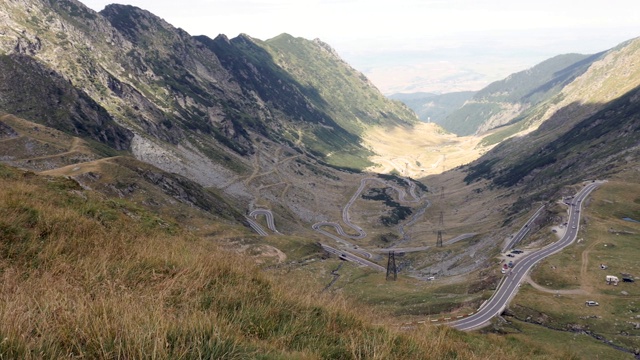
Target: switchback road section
(402, 196)
(508, 287)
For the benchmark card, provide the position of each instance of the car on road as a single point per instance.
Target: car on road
(573, 227)
(591, 303)
(431, 278)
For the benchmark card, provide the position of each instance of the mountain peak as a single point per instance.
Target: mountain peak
(134, 22)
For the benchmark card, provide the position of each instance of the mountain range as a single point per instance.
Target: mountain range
(507, 100)
(189, 135)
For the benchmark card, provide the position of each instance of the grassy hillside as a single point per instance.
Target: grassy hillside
(502, 101)
(589, 130)
(84, 276)
(355, 103)
(555, 307)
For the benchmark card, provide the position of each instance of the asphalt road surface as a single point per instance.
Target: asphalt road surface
(402, 196)
(350, 257)
(268, 215)
(508, 287)
(423, 248)
(523, 231)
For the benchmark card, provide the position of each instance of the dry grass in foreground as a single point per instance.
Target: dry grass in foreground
(86, 277)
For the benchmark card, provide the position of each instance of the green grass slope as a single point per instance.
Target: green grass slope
(92, 277)
(353, 101)
(589, 130)
(502, 101)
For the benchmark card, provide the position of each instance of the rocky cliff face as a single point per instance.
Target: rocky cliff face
(161, 82)
(31, 90)
(221, 112)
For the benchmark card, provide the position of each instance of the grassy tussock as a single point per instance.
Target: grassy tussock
(80, 277)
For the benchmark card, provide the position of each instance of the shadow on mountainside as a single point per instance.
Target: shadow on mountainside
(580, 141)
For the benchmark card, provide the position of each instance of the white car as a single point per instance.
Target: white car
(591, 303)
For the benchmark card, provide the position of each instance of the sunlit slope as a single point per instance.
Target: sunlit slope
(505, 101)
(420, 150)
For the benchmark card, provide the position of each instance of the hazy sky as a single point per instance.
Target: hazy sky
(418, 45)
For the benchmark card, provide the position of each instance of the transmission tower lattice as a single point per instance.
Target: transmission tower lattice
(392, 271)
(439, 241)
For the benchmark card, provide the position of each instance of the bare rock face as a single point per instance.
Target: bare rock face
(6, 132)
(29, 89)
(28, 46)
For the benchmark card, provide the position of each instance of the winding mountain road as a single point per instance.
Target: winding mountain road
(424, 248)
(268, 215)
(509, 286)
(345, 211)
(523, 231)
(402, 196)
(256, 227)
(350, 257)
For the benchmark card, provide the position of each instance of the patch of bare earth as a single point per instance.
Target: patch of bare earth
(553, 291)
(420, 150)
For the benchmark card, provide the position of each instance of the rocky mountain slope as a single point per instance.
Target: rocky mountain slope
(221, 112)
(590, 129)
(506, 101)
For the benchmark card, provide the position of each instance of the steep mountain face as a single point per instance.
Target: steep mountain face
(588, 130)
(207, 109)
(31, 90)
(356, 103)
(345, 94)
(506, 101)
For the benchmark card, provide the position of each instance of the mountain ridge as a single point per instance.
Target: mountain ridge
(506, 100)
(208, 130)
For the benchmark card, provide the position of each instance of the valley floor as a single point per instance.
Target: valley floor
(421, 150)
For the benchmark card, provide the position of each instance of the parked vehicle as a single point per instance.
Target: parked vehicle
(611, 279)
(591, 303)
(628, 279)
